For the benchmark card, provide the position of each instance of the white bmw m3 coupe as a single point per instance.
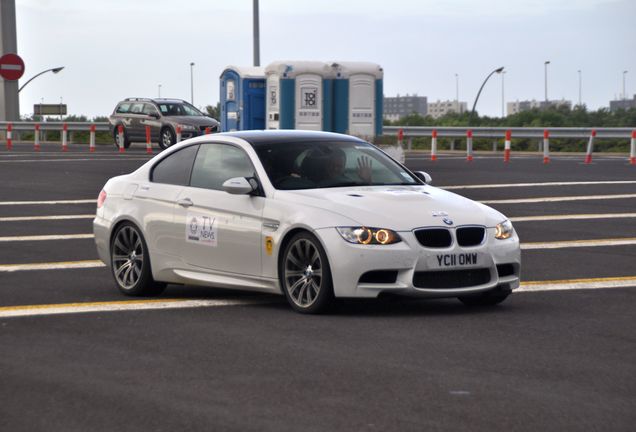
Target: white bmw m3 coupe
(310, 215)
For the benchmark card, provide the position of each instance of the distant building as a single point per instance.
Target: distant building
(401, 106)
(441, 108)
(623, 104)
(519, 106)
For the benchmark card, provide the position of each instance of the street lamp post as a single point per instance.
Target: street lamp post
(54, 70)
(580, 87)
(624, 94)
(503, 73)
(159, 90)
(192, 83)
(545, 65)
(472, 112)
(457, 88)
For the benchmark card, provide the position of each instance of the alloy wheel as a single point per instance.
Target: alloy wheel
(127, 257)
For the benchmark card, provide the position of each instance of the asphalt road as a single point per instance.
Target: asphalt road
(546, 359)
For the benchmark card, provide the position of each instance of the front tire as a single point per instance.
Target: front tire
(166, 138)
(488, 298)
(305, 275)
(130, 263)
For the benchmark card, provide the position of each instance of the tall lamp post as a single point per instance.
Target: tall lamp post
(54, 70)
(580, 87)
(472, 112)
(503, 74)
(192, 83)
(545, 66)
(158, 90)
(624, 95)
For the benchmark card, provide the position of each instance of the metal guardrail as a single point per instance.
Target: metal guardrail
(517, 132)
(29, 126)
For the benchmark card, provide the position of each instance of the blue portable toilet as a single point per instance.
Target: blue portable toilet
(242, 98)
(358, 98)
(299, 95)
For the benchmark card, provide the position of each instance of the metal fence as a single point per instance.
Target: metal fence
(516, 132)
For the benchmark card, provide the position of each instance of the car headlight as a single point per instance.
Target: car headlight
(504, 230)
(365, 236)
(187, 127)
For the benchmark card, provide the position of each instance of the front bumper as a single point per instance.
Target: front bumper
(407, 268)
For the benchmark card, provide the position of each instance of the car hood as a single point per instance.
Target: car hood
(401, 208)
(195, 120)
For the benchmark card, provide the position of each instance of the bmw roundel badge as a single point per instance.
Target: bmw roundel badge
(447, 221)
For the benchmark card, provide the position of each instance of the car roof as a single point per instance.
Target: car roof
(258, 138)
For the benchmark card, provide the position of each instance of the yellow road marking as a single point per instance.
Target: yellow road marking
(579, 243)
(573, 216)
(46, 237)
(51, 266)
(559, 199)
(52, 217)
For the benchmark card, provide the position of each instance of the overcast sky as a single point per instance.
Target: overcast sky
(121, 48)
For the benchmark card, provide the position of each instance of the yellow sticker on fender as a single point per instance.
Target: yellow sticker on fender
(269, 245)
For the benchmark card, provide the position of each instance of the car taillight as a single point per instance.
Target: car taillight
(101, 198)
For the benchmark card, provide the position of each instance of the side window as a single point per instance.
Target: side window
(176, 168)
(216, 163)
(137, 108)
(149, 109)
(123, 108)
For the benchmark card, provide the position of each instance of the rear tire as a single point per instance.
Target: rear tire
(116, 138)
(166, 138)
(305, 275)
(130, 263)
(488, 298)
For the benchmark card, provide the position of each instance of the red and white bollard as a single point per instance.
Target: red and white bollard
(469, 145)
(178, 133)
(148, 142)
(9, 136)
(507, 146)
(434, 145)
(546, 146)
(400, 137)
(632, 152)
(65, 137)
(36, 138)
(120, 138)
(590, 148)
(207, 131)
(91, 139)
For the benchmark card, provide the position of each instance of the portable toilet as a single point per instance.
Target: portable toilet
(242, 98)
(358, 97)
(299, 95)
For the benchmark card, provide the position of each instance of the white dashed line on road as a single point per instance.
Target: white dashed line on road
(578, 284)
(579, 243)
(559, 199)
(573, 216)
(41, 218)
(46, 237)
(512, 185)
(18, 203)
(5, 268)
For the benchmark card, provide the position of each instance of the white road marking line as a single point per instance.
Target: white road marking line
(579, 243)
(39, 218)
(16, 203)
(46, 237)
(6, 268)
(509, 185)
(573, 216)
(73, 160)
(71, 308)
(577, 284)
(559, 199)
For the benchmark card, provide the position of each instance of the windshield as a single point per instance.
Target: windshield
(178, 109)
(310, 165)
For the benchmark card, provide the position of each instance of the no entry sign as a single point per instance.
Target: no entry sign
(11, 67)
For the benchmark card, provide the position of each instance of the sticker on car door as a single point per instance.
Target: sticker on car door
(201, 229)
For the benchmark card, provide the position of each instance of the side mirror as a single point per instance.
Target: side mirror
(240, 186)
(154, 115)
(425, 177)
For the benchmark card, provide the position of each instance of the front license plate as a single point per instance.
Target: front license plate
(470, 259)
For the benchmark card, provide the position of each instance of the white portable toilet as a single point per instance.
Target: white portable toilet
(298, 95)
(358, 98)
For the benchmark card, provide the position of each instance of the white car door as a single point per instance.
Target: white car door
(220, 231)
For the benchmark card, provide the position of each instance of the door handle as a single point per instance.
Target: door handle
(186, 202)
